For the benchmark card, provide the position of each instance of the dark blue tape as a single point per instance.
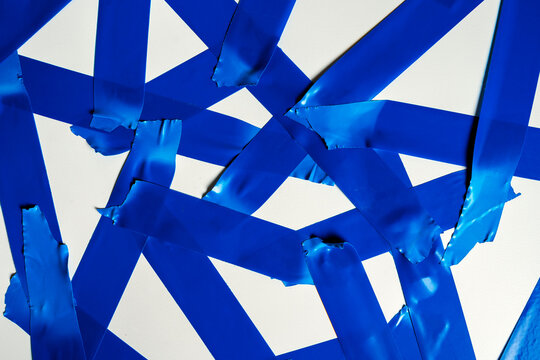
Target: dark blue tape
(349, 300)
(523, 344)
(24, 181)
(120, 63)
(54, 328)
(17, 310)
(207, 302)
(435, 309)
(309, 170)
(505, 110)
(19, 20)
(386, 51)
(250, 41)
(112, 253)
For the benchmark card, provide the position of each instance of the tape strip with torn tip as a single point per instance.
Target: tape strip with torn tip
(54, 329)
(19, 20)
(523, 343)
(251, 40)
(107, 265)
(18, 310)
(505, 109)
(349, 300)
(120, 63)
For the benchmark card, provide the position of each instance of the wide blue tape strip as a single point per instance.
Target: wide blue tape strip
(54, 329)
(433, 301)
(24, 181)
(250, 41)
(17, 310)
(19, 20)
(112, 253)
(120, 63)
(207, 302)
(506, 106)
(386, 51)
(523, 343)
(349, 300)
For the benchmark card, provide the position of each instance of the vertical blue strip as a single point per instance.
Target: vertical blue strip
(54, 329)
(349, 300)
(506, 106)
(25, 180)
(250, 41)
(120, 63)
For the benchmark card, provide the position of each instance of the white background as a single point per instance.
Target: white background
(494, 281)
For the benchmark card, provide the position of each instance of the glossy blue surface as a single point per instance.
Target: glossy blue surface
(506, 106)
(251, 40)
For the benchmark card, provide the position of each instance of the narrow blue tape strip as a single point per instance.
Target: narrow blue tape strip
(25, 180)
(112, 253)
(403, 333)
(523, 343)
(386, 51)
(251, 39)
(506, 106)
(435, 309)
(349, 300)
(17, 310)
(120, 63)
(19, 20)
(54, 329)
(207, 302)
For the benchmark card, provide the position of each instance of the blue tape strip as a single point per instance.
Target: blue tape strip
(25, 180)
(505, 110)
(251, 39)
(349, 300)
(19, 20)
(53, 322)
(207, 302)
(17, 310)
(107, 265)
(523, 343)
(433, 301)
(386, 51)
(120, 63)
(403, 332)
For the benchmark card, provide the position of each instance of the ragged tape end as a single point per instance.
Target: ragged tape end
(105, 143)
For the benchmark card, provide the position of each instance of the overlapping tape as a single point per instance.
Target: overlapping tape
(334, 134)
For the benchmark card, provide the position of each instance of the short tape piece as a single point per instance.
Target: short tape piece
(250, 42)
(506, 106)
(120, 63)
(349, 300)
